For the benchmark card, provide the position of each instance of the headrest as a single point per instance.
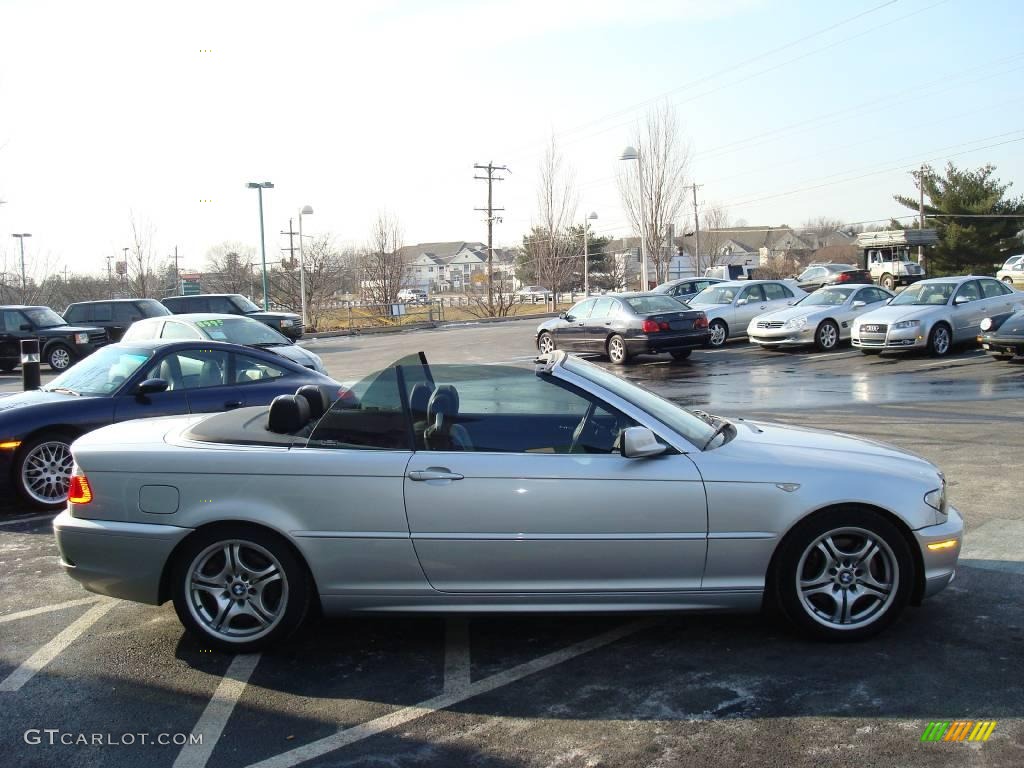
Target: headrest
(288, 413)
(317, 399)
(444, 402)
(419, 398)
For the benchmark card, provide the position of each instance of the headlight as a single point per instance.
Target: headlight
(796, 323)
(986, 324)
(937, 499)
(906, 324)
(287, 323)
(81, 338)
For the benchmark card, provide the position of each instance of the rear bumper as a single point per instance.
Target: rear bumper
(122, 560)
(666, 342)
(940, 565)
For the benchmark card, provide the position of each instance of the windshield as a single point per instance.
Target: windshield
(240, 330)
(925, 293)
(103, 372)
(44, 317)
(244, 304)
(652, 305)
(826, 297)
(696, 430)
(716, 294)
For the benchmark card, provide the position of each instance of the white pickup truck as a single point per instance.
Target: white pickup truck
(887, 255)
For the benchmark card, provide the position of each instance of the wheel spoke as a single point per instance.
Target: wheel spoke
(828, 549)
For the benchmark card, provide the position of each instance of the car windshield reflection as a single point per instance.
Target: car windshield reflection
(102, 373)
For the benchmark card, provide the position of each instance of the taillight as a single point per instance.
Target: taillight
(649, 326)
(701, 321)
(843, 277)
(79, 491)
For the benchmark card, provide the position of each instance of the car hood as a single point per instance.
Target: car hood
(36, 398)
(64, 329)
(268, 315)
(789, 313)
(891, 314)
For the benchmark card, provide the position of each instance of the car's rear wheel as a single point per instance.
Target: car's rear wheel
(1008, 280)
(940, 340)
(844, 574)
(59, 358)
(545, 343)
(888, 282)
(719, 333)
(826, 338)
(617, 352)
(681, 354)
(42, 470)
(240, 589)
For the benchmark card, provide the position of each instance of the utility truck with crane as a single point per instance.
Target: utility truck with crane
(886, 255)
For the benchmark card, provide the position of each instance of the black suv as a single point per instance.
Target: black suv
(60, 344)
(287, 323)
(115, 315)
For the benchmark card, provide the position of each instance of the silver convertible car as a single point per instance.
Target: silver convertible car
(434, 488)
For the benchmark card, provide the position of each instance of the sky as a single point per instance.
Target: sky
(163, 112)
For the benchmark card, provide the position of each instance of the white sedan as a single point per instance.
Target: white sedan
(822, 319)
(731, 306)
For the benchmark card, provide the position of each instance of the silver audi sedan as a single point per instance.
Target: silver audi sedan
(559, 488)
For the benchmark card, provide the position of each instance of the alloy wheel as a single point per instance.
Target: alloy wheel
(827, 336)
(546, 344)
(237, 590)
(940, 340)
(60, 359)
(46, 472)
(847, 578)
(616, 350)
(718, 334)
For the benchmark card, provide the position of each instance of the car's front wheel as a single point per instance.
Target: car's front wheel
(844, 574)
(59, 358)
(826, 338)
(681, 354)
(43, 469)
(940, 340)
(545, 343)
(240, 589)
(1008, 280)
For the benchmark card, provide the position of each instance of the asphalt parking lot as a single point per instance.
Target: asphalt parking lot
(556, 691)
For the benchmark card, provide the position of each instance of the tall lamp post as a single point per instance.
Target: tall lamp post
(632, 153)
(586, 255)
(306, 211)
(21, 241)
(259, 186)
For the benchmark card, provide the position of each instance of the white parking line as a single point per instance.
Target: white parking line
(400, 717)
(218, 711)
(832, 356)
(48, 608)
(456, 654)
(52, 649)
(32, 518)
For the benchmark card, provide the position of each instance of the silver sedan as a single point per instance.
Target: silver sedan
(487, 488)
(822, 319)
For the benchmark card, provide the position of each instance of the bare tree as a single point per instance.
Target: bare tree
(326, 267)
(383, 266)
(229, 268)
(664, 159)
(714, 234)
(821, 227)
(550, 247)
(142, 281)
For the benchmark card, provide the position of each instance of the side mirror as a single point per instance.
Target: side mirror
(958, 300)
(563, 315)
(640, 442)
(858, 304)
(740, 302)
(152, 386)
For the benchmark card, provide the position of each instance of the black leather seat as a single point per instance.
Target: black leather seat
(419, 402)
(317, 399)
(443, 433)
(288, 414)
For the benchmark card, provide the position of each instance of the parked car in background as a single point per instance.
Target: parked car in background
(730, 306)
(486, 488)
(934, 314)
(60, 343)
(533, 293)
(822, 319)
(1012, 274)
(288, 323)
(114, 315)
(1013, 261)
(1002, 336)
(130, 380)
(413, 296)
(229, 328)
(624, 325)
(686, 288)
(819, 275)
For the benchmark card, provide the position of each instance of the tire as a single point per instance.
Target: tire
(42, 469)
(888, 282)
(546, 343)
(59, 358)
(1008, 281)
(8, 367)
(844, 574)
(272, 607)
(719, 333)
(940, 340)
(826, 337)
(681, 354)
(617, 351)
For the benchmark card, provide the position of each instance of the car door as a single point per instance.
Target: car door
(10, 337)
(206, 375)
(598, 324)
(998, 297)
(571, 333)
(527, 491)
(128, 404)
(125, 313)
(756, 303)
(259, 381)
(968, 310)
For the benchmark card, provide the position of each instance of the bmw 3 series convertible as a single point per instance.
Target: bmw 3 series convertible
(459, 488)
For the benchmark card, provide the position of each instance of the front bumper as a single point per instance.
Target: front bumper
(122, 560)
(940, 565)
(666, 342)
(891, 340)
(995, 345)
(781, 337)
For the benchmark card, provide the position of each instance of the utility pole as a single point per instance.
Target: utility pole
(110, 276)
(696, 229)
(291, 245)
(920, 213)
(124, 275)
(177, 274)
(490, 178)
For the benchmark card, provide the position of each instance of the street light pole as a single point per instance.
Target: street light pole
(259, 186)
(633, 153)
(586, 255)
(21, 241)
(306, 210)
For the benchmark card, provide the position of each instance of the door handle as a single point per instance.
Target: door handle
(433, 473)
(579, 325)
(230, 404)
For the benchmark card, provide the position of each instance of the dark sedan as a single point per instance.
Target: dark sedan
(820, 275)
(1002, 336)
(626, 324)
(131, 380)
